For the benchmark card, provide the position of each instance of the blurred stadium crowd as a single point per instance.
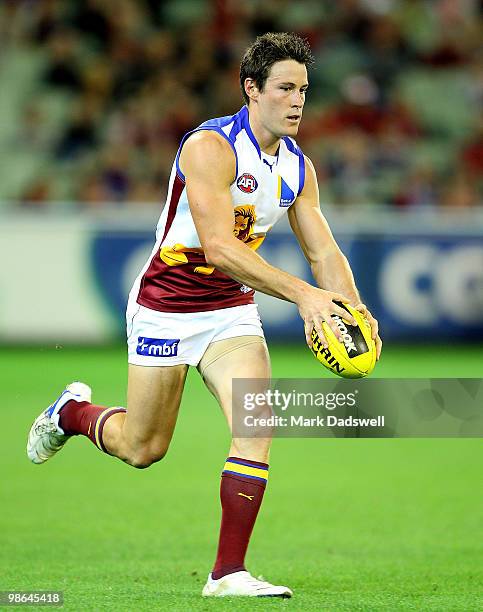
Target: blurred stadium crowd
(95, 95)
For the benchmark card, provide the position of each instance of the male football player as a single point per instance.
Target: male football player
(192, 303)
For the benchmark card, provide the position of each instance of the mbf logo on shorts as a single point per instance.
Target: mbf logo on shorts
(247, 183)
(157, 347)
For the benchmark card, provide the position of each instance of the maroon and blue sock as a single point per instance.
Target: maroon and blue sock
(242, 487)
(86, 419)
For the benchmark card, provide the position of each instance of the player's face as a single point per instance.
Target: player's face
(282, 100)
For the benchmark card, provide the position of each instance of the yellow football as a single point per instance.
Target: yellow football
(355, 356)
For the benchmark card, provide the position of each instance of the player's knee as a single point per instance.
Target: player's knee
(144, 457)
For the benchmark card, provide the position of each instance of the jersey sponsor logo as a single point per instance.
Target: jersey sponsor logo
(270, 165)
(157, 347)
(285, 194)
(247, 183)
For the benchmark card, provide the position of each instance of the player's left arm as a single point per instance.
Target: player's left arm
(329, 266)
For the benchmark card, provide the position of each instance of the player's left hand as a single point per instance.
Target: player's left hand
(362, 308)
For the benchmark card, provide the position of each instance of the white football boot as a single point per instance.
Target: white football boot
(46, 437)
(243, 584)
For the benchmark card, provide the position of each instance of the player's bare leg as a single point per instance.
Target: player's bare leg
(246, 470)
(242, 357)
(139, 437)
(142, 435)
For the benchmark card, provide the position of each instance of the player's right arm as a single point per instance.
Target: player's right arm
(209, 165)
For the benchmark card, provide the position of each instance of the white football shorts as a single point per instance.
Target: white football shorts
(172, 338)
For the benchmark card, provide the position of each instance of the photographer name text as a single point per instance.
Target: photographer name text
(318, 421)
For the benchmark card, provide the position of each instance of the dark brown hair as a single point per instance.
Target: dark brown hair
(268, 49)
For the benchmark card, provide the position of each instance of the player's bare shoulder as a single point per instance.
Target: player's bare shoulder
(310, 175)
(310, 192)
(205, 151)
(309, 166)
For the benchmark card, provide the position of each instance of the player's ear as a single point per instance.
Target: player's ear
(251, 89)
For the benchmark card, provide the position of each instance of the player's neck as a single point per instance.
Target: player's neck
(267, 142)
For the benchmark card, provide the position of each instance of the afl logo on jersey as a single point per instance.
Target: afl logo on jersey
(247, 183)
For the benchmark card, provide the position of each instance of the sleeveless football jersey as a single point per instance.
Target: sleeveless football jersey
(176, 278)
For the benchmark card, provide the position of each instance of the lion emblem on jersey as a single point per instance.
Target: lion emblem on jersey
(245, 218)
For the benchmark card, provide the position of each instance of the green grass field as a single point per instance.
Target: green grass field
(348, 524)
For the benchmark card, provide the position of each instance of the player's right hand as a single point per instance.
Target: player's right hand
(317, 306)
